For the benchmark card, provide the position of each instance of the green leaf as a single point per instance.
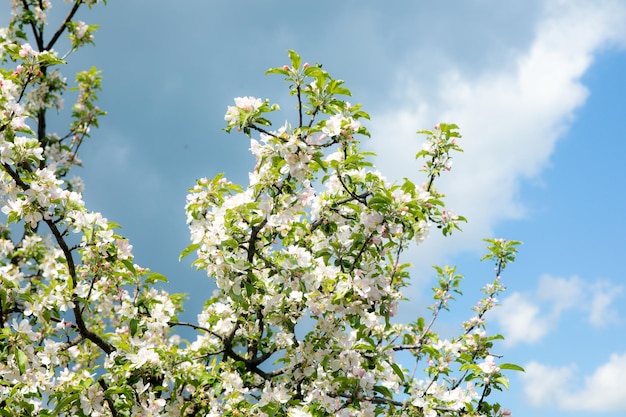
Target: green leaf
(313, 72)
(64, 402)
(318, 158)
(118, 390)
(113, 225)
(249, 289)
(133, 326)
(471, 367)
(281, 71)
(189, 249)
(378, 201)
(343, 91)
(364, 346)
(12, 218)
(129, 265)
(420, 323)
(502, 380)
(13, 49)
(386, 392)
(295, 59)
(511, 367)
(88, 234)
(361, 113)
(397, 370)
(21, 359)
(48, 58)
(154, 277)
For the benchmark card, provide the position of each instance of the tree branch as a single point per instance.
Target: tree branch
(261, 130)
(63, 25)
(108, 399)
(194, 326)
(36, 33)
(69, 260)
(299, 95)
(253, 237)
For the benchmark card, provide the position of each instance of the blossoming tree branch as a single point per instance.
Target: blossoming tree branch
(306, 258)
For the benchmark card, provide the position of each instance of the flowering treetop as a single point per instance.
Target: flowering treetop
(306, 259)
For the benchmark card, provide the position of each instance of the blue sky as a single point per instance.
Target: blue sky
(537, 88)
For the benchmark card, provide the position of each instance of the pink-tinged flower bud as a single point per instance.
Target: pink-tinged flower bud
(26, 50)
(306, 65)
(286, 67)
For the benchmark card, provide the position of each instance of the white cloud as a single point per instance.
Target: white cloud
(602, 391)
(522, 320)
(542, 384)
(561, 293)
(528, 317)
(511, 115)
(601, 312)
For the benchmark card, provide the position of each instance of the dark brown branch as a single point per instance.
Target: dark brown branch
(317, 108)
(361, 198)
(1, 314)
(261, 130)
(36, 32)
(72, 342)
(361, 251)
(482, 397)
(63, 25)
(401, 244)
(299, 105)
(195, 327)
(431, 180)
(398, 348)
(107, 398)
(387, 401)
(252, 364)
(41, 131)
(69, 258)
(253, 237)
(23, 91)
(253, 346)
